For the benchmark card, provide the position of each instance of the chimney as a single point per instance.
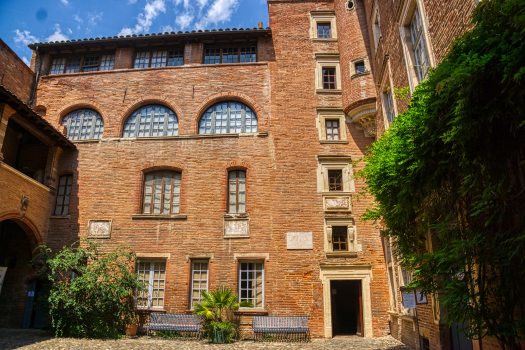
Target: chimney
(260, 25)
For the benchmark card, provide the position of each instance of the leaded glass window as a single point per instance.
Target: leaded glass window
(251, 282)
(237, 192)
(83, 124)
(162, 192)
(228, 117)
(151, 121)
(152, 275)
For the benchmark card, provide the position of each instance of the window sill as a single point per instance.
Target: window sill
(333, 141)
(236, 236)
(324, 40)
(357, 75)
(158, 217)
(393, 313)
(161, 311)
(336, 193)
(341, 254)
(60, 217)
(328, 91)
(407, 317)
(251, 311)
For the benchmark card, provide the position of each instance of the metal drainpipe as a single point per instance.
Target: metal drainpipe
(36, 78)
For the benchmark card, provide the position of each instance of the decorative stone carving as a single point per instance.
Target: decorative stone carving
(24, 202)
(329, 233)
(237, 228)
(364, 117)
(299, 240)
(350, 231)
(99, 228)
(335, 203)
(368, 124)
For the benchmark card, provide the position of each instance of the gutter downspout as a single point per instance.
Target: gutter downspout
(30, 102)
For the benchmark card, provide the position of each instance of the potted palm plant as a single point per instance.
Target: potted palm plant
(217, 308)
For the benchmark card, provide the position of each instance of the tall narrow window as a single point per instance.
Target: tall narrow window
(389, 259)
(237, 192)
(152, 274)
(418, 46)
(323, 31)
(83, 124)
(340, 238)
(199, 280)
(228, 117)
(64, 192)
(151, 121)
(332, 129)
(251, 282)
(335, 180)
(329, 78)
(376, 26)
(389, 104)
(162, 192)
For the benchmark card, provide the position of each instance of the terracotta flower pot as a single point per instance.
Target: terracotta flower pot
(131, 330)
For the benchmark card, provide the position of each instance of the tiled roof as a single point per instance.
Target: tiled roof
(160, 35)
(28, 113)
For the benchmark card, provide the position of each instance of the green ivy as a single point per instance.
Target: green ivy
(99, 300)
(451, 170)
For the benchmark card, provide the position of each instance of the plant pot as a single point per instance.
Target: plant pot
(131, 330)
(218, 336)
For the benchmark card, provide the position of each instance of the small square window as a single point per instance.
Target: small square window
(335, 180)
(332, 129)
(329, 79)
(324, 30)
(339, 238)
(90, 64)
(176, 58)
(212, 56)
(107, 62)
(73, 65)
(360, 67)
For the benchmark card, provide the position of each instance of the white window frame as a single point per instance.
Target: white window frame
(327, 16)
(151, 284)
(406, 20)
(247, 279)
(193, 301)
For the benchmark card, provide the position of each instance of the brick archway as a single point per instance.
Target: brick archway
(30, 229)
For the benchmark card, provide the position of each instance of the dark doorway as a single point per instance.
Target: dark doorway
(347, 308)
(459, 339)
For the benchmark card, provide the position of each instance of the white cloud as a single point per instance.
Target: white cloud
(65, 2)
(167, 28)
(145, 19)
(184, 20)
(204, 2)
(26, 61)
(78, 19)
(24, 38)
(57, 35)
(219, 12)
(69, 31)
(93, 18)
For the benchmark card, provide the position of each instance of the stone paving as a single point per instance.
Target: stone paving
(37, 339)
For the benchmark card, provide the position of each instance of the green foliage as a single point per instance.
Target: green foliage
(99, 300)
(217, 307)
(451, 170)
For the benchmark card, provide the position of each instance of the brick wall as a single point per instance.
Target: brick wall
(14, 73)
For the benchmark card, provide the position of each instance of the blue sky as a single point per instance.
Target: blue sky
(27, 21)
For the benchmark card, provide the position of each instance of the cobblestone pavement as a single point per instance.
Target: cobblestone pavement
(37, 339)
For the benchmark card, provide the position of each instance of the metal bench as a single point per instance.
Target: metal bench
(186, 324)
(266, 328)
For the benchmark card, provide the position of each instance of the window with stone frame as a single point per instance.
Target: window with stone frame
(390, 263)
(237, 191)
(335, 180)
(65, 184)
(339, 238)
(324, 30)
(332, 129)
(251, 282)
(388, 100)
(152, 274)
(88, 63)
(83, 124)
(329, 78)
(159, 58)
(228, 117)
(151, 121)
(376, 26)
(419, 48)
(199, 280)
(230, 55)
(161, 192)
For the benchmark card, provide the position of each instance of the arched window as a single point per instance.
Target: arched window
(151, 120)
(83, 124)
(228, 117)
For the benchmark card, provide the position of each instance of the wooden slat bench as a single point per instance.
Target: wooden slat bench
(187, 324)
(268, 328)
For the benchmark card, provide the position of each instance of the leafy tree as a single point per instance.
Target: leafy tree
(217, 307)
(98, 300)
(451, 170)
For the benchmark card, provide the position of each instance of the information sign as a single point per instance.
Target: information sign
(409, 298)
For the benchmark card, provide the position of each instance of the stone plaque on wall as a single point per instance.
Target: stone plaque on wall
(236, 228)
(299, 240)
(338, 203)
(99, 229)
